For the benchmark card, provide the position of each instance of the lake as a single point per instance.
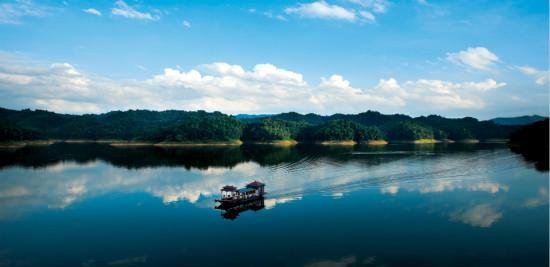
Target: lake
(394, 205)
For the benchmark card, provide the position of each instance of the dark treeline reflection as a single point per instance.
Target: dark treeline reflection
(531, 142)
(202, 157)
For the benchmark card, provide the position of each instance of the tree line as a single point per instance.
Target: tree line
(202, 126)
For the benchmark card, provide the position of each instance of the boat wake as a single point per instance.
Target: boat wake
(405, 171)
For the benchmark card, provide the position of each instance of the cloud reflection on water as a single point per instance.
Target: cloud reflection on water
(481, 215)
(289, 176)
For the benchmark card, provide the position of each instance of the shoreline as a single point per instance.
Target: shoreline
(375, 143)
(337, 143)
(169, 144)
(417, 142)
(468, 141)
(20, 144)
(274, 143)
(281, 143)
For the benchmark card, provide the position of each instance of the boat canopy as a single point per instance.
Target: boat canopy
(255, 185)
(245, 190)
(229, 188)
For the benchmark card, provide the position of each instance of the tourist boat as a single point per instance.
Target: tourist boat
(230, 195)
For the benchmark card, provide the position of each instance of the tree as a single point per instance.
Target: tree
(271, 130)
(341, 130)
(409, 130)
(371, 133)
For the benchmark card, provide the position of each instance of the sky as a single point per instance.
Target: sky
(482, 59)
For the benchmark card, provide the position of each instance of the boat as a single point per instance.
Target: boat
(231, 196)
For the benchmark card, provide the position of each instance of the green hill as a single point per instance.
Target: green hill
(200, 126)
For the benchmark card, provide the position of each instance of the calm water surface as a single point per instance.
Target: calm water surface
(398, 205)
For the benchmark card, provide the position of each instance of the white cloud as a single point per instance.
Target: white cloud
(12, 12)
(422, 2)
(16, 79)
(186, 24)
(539, 200)
(336, 91)
(438, 94)
(92, 11)
(322, 10)
(391, 189)
(369, 17)
(482, 215)
(343, 262)
(517, 98)
(377, 6)
(270, 15)
(124, 10)
(541, 76)
(475, 57)
(67, 106)
(265, 88)
(486, 85)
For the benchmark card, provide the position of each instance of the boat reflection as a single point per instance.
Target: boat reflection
(232, 211)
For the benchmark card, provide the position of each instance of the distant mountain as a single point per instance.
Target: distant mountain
(246, 117)
(521, 120)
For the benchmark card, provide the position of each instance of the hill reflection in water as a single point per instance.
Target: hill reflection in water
(203, 157)
(77, 204)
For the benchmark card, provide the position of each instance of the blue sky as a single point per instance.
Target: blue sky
(454, 58)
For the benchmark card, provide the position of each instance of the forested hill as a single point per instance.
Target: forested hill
(201, 126)
(521, 120)
(406, 127)
(163, 126)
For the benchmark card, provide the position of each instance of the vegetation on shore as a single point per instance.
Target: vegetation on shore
(340, 131)
(272, 131)
(173, 127)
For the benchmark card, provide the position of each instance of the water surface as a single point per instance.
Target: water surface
(397, 205)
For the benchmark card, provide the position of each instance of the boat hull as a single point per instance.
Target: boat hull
(235, 202)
